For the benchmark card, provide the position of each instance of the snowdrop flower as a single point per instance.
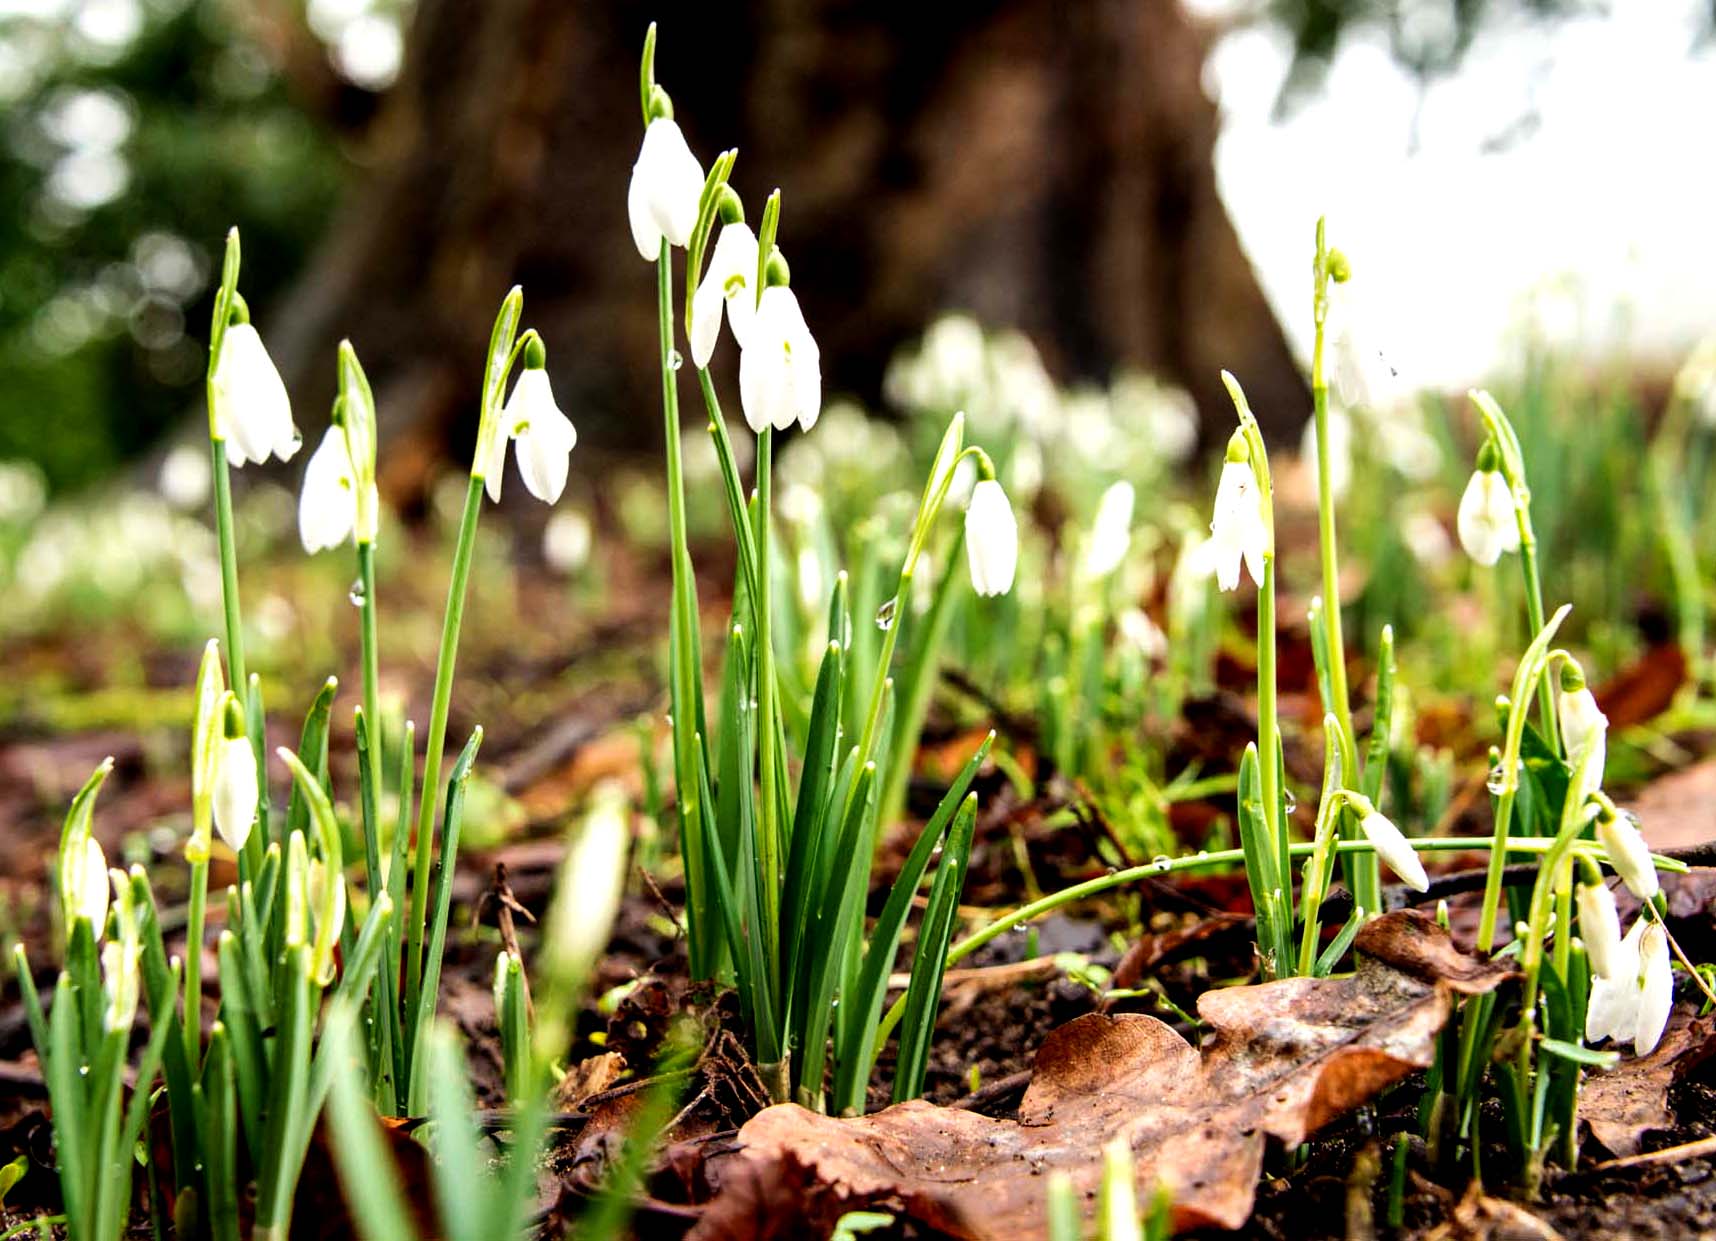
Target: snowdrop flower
(120, 985)
(1628, 854)
(1633, 1003)
(1340, 450)
(1363, 377)
(780, 366)
(1600, 927)
(667, 184)
(587, 893)
(327, 508)
(1144, 634)
(251, 411)
(1486, 522)
(83, 884)
(1656, 989)
(730, 284)
(1392, 847)
(544, 437)
(1238, 532)
(1111, 532)
(991, 539)
(566, 541)
(235, 787)
(1583, 724)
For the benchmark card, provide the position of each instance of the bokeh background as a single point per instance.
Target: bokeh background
(1129, 183)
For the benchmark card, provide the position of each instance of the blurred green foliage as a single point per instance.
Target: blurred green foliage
(136, 132)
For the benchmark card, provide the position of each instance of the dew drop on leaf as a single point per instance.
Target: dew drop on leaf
(1497, 780)
(356, 593)
(674, 360)
(885, 615)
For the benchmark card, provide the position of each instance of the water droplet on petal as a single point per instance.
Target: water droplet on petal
(885, 615)
(356, 593)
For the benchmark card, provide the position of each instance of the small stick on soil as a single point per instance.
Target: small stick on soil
(1669, 1154)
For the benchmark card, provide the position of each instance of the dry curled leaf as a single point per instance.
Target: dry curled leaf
(1629, 1100)
(1286, 1058)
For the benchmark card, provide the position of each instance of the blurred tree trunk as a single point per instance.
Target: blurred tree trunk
(1044, 164)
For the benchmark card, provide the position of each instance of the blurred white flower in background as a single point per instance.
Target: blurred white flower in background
(566, 541)
(186, 476)
(1111, 533)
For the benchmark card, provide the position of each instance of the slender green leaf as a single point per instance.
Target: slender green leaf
(929, 962)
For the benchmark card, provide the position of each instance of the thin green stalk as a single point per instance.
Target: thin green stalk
(1214, 858)
(770, 770)
(437, 735)
(371, 686)
(1326, 541)
(1268, 723)
(1530, 670)
(193, 1024)
(228, 563)
(685, 689)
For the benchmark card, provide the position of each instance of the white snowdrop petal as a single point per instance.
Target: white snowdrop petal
(327, 506)
(251, 404)
(1393, 848)
(1599, 927)
(991, 539)
(1629, 855)
(235, 792)
(1656, 990)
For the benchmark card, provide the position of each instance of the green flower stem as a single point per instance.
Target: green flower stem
(371, 679)
(1530, 671)
(1513, 469)
(235, 676)
(1363, 875)
(685, 691)
(1216, 858)
(437, 735)
(1268, 722)
(194, 921)
(769, 765)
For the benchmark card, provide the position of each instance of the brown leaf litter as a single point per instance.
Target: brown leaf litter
(1286, 1058)
(1629, 1100)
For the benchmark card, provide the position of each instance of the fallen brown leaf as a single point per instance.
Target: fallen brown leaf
(1629, 1100)
(1287, 1057)
(1678, 810)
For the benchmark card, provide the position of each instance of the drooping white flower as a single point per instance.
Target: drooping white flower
(1363, 377)
(327, 507)
(1144, 634)
(991, 539)
(730, 284)
(252, 412)
(1656, 989)
(1584, 727)
(235, 791)
(1486, 522)
(543, 438)
(1111, 532)
(667, 183)
(1599, 927)
(587, 893)
(83, 880)
(1392, 847)
(1237, 529)
(1340, 450)
(1612, 1010)
(780, 366)
(120, 985)
(1628, 854)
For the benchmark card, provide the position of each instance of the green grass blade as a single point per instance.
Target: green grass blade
(367, 1173)
(929, 962)
(917, 680)
(444, 868)
(838, 915)
(66, 1095)
(461, 1188)
(861, 1008)
(219, 1138)
(277, 1178)
(250, 1065)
